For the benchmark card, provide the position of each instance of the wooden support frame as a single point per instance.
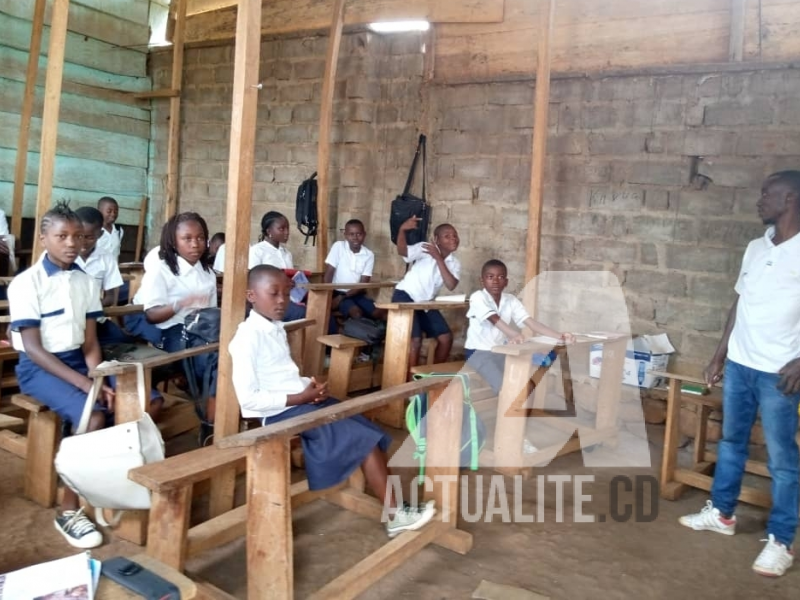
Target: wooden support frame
(52, 105)
(325, 126)
(137, 252)
(173, 143)
(25, 117)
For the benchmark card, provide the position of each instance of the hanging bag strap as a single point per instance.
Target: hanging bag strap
(420, 150)
(97, 386)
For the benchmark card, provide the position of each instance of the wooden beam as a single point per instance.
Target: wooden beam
(173, 143)
(539, 151)
(197, 7)
(240, 187)
(52, 103)
(25, 118)
(736, 48)
(149, 95)
(325, 125)
(137, 252)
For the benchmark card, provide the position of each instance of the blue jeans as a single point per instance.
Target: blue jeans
(745, 393)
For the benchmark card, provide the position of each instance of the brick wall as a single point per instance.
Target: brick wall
(651, 178)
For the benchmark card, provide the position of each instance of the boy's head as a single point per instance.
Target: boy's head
(61, 234)
(215, 242)
(92, 220)
(110, 210)
(354, 233)
(268, 290)
(446, 237)
(494, 277)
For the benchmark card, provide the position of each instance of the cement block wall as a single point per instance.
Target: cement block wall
(652, 178)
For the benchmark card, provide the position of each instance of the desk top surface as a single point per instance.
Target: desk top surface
(433, 305)
(321, 287)
(544, 344)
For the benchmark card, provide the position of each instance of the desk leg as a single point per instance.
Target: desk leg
(318, 307)
(509, 430)
(395, 364)
(608, 396)
(671, 489)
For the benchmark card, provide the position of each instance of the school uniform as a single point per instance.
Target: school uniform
(422, 283)
(264, 253)
(111, 241)
(350, 268)
(3, 223)
(219, 259)
(264, 374)
(105, 271)
(58, 302)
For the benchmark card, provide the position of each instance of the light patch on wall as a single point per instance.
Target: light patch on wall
(399, 26)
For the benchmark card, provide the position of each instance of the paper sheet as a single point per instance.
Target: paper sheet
(68, 578)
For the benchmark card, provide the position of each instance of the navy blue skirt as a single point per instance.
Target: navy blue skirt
(334, 451)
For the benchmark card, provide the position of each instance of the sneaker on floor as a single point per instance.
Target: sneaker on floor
(410, 518)
(709, 519)
(78, 530)
(363, 358)
(774, 559)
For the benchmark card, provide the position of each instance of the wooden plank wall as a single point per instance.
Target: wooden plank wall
(610, 35)
(103, 134)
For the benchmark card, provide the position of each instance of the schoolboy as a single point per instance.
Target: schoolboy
(216, 249)
(432, 266)
(269, 386)
(111, 238)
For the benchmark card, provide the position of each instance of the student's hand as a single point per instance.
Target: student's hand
(517, 338)
(567, 338)
(789, 382)
(108, 396)
(320, 391)
(410, 223)
(432, 249)
(191, 301)
(713, 372)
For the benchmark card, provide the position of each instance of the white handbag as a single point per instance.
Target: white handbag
(96, 464)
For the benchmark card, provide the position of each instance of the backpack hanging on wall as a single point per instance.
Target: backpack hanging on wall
(406, 205)
(306, 209)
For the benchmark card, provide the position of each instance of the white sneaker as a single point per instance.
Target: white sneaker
(78, 530)
(410, 518)
(709, 519)
(774, 559)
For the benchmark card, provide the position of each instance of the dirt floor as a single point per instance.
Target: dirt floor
(562, 560)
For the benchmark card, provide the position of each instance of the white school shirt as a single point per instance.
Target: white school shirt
(264, 373)
(151, 259)
(424, 280)
(3, 223)
(219, 259)
(264, 253)
(56, 301)
(111, 242)
(766, 334)
(481, 333)
(161, 287)
(103, 267)
(350, 267)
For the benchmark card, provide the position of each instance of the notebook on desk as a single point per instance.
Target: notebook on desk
(452, 298)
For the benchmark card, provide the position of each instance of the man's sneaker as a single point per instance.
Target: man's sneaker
(709, 519)
(774, 559)
(78, 530)
(410, 518)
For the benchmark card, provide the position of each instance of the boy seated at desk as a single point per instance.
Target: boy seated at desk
(268, 386)
(350, 261)
(432, 265)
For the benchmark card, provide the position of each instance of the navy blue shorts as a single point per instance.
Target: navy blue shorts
(430, 321)
(333, 451)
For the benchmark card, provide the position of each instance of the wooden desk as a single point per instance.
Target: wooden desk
(318, 307)
(507, 456)
(398, 344)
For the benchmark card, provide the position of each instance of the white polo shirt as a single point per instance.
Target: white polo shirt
(161, 287)
(264, 253)
(56, 301)
(3, 223)
(103, 267)
(219, 259)
(111, 243)
(350, 267)
(424, 280)
(151, 259)
(264, 373)
(766, 334)
(481, 333)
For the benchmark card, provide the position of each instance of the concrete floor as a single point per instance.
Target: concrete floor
(562, 560)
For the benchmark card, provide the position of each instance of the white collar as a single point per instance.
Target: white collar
(263, 324)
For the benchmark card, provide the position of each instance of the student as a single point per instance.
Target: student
(351, 262)
(181, 283)
(491, 315)
(271, 250)
(216, 248)
(111, 239)
(432, 265)
(53, 307)
(269, 386)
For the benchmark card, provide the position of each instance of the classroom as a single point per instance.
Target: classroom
(492, 275)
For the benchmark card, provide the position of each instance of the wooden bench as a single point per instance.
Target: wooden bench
(266, 518)
(44, 434)
(343, 351)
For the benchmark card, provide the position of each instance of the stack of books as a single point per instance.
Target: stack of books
(72, 578)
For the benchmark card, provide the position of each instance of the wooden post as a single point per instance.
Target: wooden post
(137, 252)
(173, 144)
(25, 118)
(325, 123)
(539, 151)
(52, 104)
(736, 47)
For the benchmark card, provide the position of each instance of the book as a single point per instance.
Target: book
(71, 578)
(452, 298)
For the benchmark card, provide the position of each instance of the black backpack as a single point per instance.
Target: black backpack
(306, 209)
(201, 328)
(407, 205)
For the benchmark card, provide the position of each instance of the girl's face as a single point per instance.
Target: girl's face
(190, 241)
(278, 232)
(62, 240)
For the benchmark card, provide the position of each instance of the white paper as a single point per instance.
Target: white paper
(453, 298)
(546, 339)
(67, 578)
